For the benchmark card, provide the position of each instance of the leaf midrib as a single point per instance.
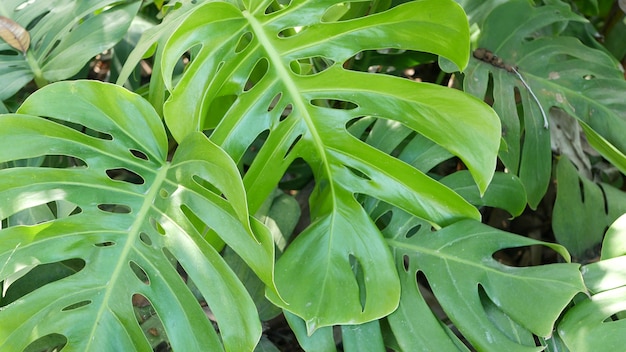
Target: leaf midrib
(133, 233)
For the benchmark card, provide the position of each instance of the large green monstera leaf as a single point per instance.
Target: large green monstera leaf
(560, 71)
(132, 214)
(276, 73)
(64, 36)
(494, 306)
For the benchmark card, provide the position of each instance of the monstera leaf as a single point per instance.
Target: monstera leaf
(65, 35)
(276, 73)
(495, 307)
(132, 215)
(597, 323)
(560, 72)
(583, 210)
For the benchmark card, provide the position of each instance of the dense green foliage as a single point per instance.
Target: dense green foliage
(259, 159)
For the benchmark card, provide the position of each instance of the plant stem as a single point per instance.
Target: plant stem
(34, 67)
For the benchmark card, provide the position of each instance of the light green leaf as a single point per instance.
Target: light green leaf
(124, 230)
(597, 323)
(65, 35)
(561, 71)
(458, 263)
(247, 77)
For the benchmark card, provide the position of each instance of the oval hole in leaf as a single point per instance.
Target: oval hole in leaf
(138, 154)
(244, 42)
(76, 305)
(163, 193)
(82, 129)
(276, 6)
(125, 175)
(286, 112)
(145, 238)
(114, 208)
(105, 244)
(357, 268)
(256, 75)
(139, 272)
(157, 226)
(614, 318)
(39, 276)
(414, 230)
(358, 173)
(274, 102)
(291, 31)
(334, 104)
(406, 262)
(150, 322)
(383, 221)
(311, 65)
(293, 145)
(526, 256)
(50, 342)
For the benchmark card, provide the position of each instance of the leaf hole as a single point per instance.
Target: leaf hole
(50, 342)
(139, 272)
(298, 175)
(274, 102)
(76, 305)
(291, 31)
(145, 238)
(413, 231)
(358, 173)
(527, 256)
(82, 129)
(256, 75)
(25, 279)
(589, 77)
(125, 175)
(311, 66)
(164, 193)
(423, 286)
(114, 208)
(157, 226)
(406, 263)
(357, 269)
(383, 220)
(206, 185)
(292, 146)
(195, 220)
(286, 112)
(138, 154)
(150, 322)
(244, 42)
(334, 104)
(604, 199)
(105, 244)
(621, 315)
(276, 6)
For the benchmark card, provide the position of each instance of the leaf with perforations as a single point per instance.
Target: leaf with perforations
(562, 73)
(279, 71)
(133, 226)
(494, 306)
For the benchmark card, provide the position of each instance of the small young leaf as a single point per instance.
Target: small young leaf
(14, 34)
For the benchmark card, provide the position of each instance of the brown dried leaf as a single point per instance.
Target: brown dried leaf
(14, 34)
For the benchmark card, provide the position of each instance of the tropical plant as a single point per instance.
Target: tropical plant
(263, 172)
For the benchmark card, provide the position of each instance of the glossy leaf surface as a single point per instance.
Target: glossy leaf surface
(457, 261)
(64, 36)
(125, 230)
(250, 74)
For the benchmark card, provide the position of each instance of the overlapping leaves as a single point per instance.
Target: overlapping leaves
(561, 71)
(64, 36)
(132, 214)
(250, 74)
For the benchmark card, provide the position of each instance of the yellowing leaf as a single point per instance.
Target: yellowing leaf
(14, 34)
